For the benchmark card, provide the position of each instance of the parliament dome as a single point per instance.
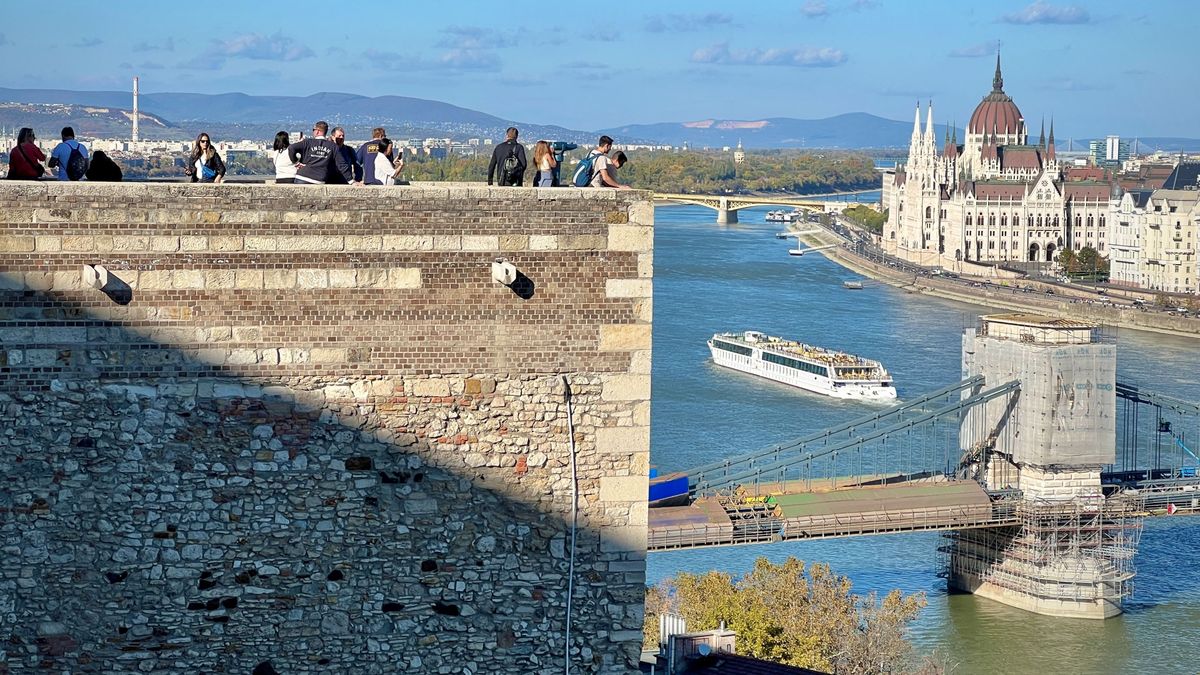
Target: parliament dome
(996, 112)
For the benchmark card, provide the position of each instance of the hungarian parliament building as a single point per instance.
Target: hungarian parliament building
(998, 198)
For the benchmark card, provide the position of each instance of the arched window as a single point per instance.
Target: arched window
(928, 211)
(1101, 220)
(968, 220)
(1090, 220)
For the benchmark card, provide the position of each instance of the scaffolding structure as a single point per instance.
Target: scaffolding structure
(1066, 553)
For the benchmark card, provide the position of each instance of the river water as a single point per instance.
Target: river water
(711, 278)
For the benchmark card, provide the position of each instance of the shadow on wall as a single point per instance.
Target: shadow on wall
(197, 518)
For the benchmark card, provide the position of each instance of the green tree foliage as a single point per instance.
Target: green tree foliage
(797, 615)
(778, 172)
(867, 217)
(1086, 262)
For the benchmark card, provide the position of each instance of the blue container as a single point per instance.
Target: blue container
(675, 487)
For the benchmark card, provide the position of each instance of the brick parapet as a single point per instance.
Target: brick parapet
(264, 336)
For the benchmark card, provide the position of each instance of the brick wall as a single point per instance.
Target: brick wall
(303, 424)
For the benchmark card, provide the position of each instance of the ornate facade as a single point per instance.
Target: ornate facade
(996, 197)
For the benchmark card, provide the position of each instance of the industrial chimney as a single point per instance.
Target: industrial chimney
(135, 109)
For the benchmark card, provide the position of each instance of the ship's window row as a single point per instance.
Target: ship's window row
(736, 349)
(795, 363)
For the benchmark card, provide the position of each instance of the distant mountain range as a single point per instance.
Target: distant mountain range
(244, 113)
(237, 116)
(851, 130)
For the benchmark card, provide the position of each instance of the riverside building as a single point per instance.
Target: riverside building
(995, 197)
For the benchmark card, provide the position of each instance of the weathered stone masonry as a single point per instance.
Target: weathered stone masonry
(313, 430)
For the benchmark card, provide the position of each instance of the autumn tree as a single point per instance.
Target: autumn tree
(796, 615)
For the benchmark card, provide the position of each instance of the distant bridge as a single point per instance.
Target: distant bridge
(727, 207)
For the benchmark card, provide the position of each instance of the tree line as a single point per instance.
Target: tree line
(798, 615)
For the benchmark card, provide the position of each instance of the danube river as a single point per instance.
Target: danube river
(711, 278)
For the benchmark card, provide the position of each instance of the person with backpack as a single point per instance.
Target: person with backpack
(101, 168)
(70, 157)
(597, 170)
(25, 159)
(508, 161)
(205, 165)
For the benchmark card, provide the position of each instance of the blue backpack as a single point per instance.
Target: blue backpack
(586, 170)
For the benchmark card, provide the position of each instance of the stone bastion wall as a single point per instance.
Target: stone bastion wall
(304, 425)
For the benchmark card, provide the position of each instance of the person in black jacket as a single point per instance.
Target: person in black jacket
(103, 169)
(205, 165)
(317, 158)
(508, 172)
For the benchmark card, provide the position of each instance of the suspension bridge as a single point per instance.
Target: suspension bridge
(1038, 465)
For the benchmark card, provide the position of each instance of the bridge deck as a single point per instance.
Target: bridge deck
(837, 513)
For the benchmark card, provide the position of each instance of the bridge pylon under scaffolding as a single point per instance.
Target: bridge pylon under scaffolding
(1016, 463)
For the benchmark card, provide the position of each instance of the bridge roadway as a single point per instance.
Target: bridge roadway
(727, 207)
(874, 509)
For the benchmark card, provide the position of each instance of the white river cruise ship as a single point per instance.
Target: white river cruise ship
(816, 369)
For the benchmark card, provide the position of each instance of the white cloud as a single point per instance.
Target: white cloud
(1045, 13)
(804, 57)
(814, 9)
(686, 23)
(452, 59)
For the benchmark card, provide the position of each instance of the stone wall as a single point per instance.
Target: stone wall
(304, 425)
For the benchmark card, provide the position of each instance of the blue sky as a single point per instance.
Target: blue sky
(1096, 66)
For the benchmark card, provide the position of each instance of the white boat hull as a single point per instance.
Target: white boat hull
(871, 390)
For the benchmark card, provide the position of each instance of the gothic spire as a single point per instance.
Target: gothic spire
(998, 79)
(917, 123)
(1042, 136)
(929, 122)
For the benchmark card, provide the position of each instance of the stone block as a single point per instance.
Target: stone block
(447, 242)
(582, 242)
(259, 243)
(623, 538)
(641, 213)
(275, 279)
(193, 243)
(407, 242)
(164, 244)
(404, 277)
(130, 242)
(154, 280)
(626, 388)
(247, 334)
(248, 279)
(645, 265)
(630, 238)
(339, 278)
(354, 242)
(514, 242)
(39, 281)
(488, 242)
(622, 441)
(327, 355)
(17, 244)
(311, 243)
(192, 280)
(616, 217)
(624, 337)
(431, 387)
(643, 309)
(78, 243)
(312, 278)
(628, 288)
(49, 244)
(224, 243)
(543, 242)
(624, 488)
(219, 279)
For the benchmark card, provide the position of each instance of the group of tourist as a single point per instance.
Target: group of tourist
(507, 166)
(69, 159)
(324, 158)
